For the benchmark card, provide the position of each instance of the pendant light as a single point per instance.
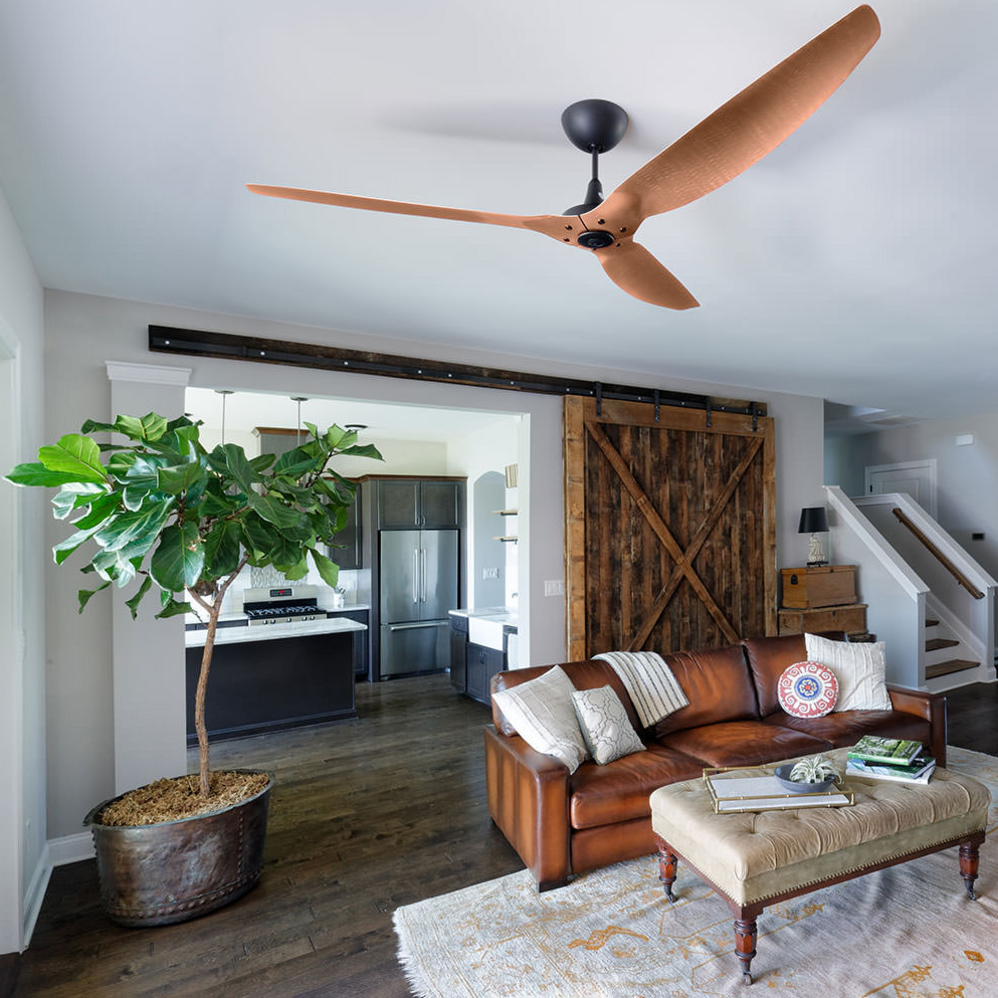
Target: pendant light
(299, 399)
(223, 392)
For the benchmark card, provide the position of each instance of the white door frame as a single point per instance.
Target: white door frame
(12, 660)
(928, 464)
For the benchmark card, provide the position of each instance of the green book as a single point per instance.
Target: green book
(893, 751)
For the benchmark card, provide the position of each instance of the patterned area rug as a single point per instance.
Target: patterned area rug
(906, 932)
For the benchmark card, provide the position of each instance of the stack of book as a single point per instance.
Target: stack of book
(890, 759)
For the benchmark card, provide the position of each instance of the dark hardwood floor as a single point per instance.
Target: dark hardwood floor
(365, 816)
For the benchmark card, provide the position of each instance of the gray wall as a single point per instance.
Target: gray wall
(967, 475)
(85, 331)
(22, 596)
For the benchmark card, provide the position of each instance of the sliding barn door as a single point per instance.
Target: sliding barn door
(671, 527)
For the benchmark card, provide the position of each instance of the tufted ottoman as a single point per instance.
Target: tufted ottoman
(754, 859)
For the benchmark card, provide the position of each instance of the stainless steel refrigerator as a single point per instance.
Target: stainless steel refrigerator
(418, 581)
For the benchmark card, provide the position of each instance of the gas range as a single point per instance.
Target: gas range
(281, 605)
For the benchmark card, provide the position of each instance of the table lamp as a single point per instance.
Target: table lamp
(813, 521)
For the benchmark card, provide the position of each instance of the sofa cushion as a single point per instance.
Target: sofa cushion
(545, 718)
(860, 669)
(847, 727)
(619, 791)
(716, 683)
(743, 743)
(585, 675)
(607, 731)
(768, 659)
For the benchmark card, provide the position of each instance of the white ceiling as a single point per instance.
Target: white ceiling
(381, 420)
(854, 262)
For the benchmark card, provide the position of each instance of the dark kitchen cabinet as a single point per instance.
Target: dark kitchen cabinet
(348, 557)
(482, 664)
(362, 641)
(458, 653)
(429, 504)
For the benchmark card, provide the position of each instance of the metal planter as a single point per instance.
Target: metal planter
(177, 870)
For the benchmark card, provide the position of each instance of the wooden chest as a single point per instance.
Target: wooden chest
(851, 619)
(828, 585)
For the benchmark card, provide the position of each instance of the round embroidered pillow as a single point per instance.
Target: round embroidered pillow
(807, 689)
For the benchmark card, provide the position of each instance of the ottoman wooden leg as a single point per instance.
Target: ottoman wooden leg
(667, 863)
(745, 936)
(969, 854)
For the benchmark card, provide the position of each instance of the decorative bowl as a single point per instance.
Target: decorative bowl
(782, 774)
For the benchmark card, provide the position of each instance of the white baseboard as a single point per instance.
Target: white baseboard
(35, 894)
(71, 848)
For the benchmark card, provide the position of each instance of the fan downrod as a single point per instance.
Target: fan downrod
(594, 126)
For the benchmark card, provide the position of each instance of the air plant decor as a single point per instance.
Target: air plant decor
(815, 769)
(163, 510)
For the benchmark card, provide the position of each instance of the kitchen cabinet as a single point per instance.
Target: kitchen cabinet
(431, 504)
(458, 653)
(362, 644)
(481, 665)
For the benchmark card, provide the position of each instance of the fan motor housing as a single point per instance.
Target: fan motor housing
(595, 240)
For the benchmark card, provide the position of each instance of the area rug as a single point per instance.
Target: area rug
(907, 932)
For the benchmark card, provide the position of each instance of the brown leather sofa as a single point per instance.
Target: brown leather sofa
(563, 824)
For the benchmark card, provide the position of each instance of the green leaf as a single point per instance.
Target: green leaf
(149, 427)
(114, 566)
(297, 571)
(100, 509)
(119, 463)
(263, 462)
(260, 536)
(35, 473)
(222, 548)
(76, 455)
(143, 472)
(294, 462)
(364, 450)
(141, 528)
(178, 560)
(181, 477)
(84, 594)
(312, 428)
(231, 459)
(327, 568)
(173, 608)
(334, 435)
(93, 426)
(73, 496)
(219, 505)
(134, 496)
(271, 509)
(133, 603)
(65, 548)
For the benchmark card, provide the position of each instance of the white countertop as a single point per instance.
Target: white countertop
(271, 632)
(487, 611)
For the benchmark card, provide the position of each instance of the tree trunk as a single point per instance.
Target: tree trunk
(199, 698)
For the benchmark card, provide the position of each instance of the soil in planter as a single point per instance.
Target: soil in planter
(170, 800)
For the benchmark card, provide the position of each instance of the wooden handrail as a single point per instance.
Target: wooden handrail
(938, 555)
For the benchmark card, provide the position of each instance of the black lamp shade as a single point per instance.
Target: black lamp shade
(813, 520)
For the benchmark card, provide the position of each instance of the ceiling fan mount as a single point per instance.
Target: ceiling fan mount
(726, 142)
(594, 126)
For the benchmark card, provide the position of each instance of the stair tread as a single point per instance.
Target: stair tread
(934, 643)
(947, 668)
(929, 622)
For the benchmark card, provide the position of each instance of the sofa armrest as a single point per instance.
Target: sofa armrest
(932, 707)
(528, 798)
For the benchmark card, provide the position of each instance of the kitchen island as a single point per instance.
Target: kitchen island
(274, 676)
(484, 641)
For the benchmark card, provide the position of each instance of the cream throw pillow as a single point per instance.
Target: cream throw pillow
(541, 710)
(859, 668)
(605, 725)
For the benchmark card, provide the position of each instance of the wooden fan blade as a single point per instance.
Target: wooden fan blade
(748, 126)
(394, 207)
(633, 268)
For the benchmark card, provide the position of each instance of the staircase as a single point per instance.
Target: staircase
(945, 653)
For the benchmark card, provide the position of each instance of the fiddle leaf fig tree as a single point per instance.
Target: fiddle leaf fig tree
(181, 519)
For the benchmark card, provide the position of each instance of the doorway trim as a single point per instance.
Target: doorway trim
(928, 464)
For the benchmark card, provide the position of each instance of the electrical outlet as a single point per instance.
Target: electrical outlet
(490, 573)
(554, 587)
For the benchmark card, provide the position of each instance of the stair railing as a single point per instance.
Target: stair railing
(937, 554)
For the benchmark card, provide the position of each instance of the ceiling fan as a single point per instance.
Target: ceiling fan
(715, 151)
